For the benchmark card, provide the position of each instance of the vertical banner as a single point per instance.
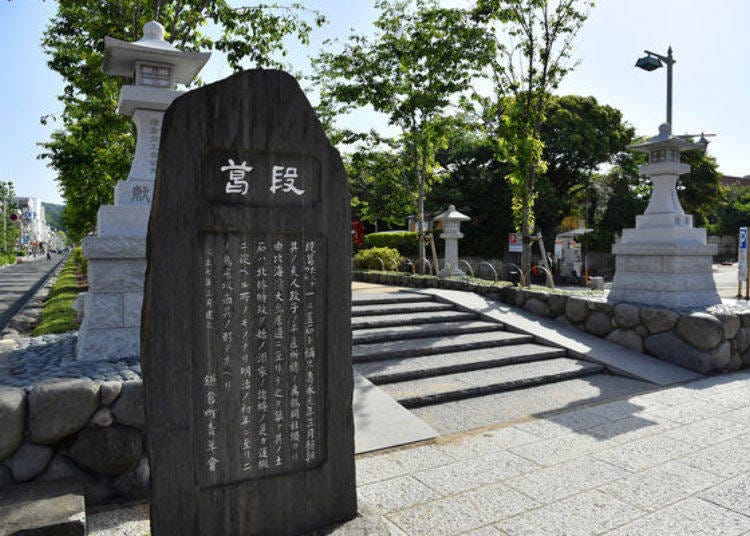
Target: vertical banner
(742, 255)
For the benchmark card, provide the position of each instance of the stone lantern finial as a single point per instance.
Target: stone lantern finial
(152, 31)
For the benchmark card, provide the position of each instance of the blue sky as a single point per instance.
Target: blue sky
(712, 74)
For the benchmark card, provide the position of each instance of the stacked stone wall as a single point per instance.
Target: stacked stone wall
(73, 428)
(709, 342)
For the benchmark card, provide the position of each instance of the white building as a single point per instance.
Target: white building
(35, 232)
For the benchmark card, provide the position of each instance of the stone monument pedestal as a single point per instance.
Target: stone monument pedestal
(664, 261)
(111, 309)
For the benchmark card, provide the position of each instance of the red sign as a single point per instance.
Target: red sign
(514, 243)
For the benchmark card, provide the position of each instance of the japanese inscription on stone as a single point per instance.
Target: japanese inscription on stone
(261, 340)
(246, 341)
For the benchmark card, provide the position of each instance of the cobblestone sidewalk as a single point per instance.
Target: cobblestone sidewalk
(674, 461)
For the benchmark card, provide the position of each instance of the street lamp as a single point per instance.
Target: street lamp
(653, 61)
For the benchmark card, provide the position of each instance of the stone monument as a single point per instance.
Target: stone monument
(117, 254)
(451, 220)
(246, 346)
(664, 261)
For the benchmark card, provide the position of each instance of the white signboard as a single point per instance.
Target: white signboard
(514, 243)
(742, 255)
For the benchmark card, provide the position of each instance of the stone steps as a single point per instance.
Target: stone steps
(425, 353)
(383, 321)
(449, 387)
(434, 345)
(413, 368)
(384, 334)
(377, 298)
(399, 308)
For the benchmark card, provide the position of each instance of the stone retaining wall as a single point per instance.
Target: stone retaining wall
(709, 342)
(76, 428)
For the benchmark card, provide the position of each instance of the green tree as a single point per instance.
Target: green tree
(8, 230)
(534, 45)
(476, 185)
(578, 134)
(699, 190)
(734, 212)
(381, 185)
(623, 195)
(93, 149)
(420, 56)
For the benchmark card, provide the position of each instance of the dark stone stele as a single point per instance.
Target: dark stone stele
(246, 339)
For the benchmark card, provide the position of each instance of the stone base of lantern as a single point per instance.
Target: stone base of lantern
(112, 306)
(674, 276)
(451, 271)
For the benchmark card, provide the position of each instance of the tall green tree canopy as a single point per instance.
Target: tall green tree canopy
(699, 190)
(534, 44)
(578, 135)
(420, 56)
(9, 232)
(93, 149)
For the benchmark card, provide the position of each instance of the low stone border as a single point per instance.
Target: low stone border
(73, 428)
(709, 341)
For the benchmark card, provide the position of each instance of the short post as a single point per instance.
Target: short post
(742, 271)
(451, 220)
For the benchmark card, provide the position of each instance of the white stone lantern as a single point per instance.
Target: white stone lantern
(664, 261)
(451, 220)
(117, 254)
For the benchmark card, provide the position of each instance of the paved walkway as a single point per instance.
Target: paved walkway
(16, 282)
(670, 462)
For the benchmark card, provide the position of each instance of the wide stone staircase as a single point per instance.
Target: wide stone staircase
(422, 352)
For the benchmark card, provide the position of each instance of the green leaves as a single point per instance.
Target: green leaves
(419, 60)
(93, 148)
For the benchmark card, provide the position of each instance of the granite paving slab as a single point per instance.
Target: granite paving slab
(661, 486)
(579, 344)
(544, 401)
(366, 336)
(487, 482)
(466, 384)
(409, 368)
(380, 422)
(571, 477)
(43, 508)
(591, 512)
(691, 517)
(733, 494)
(434, 345)
(399, 308)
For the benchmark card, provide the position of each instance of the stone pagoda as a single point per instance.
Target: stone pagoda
(664, 261)
(117, 254)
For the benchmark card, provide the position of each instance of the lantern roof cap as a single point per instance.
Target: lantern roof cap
(665, 140)
(120, 56)
(451, 214)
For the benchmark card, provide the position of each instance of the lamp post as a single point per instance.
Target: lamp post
(653, 61)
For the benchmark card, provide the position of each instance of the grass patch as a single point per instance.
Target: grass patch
(58, 315)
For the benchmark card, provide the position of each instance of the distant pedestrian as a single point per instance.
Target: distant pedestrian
(49, 256)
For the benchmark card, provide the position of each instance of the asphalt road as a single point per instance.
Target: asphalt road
(19, 281)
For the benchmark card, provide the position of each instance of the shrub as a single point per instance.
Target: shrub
(404, 241)
(58, 315)
(368, 259)
(81, 263)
